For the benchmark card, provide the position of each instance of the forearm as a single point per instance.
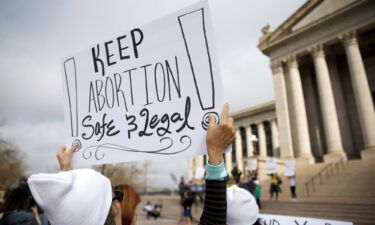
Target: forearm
(215, 205)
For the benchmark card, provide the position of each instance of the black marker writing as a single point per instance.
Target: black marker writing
(176, 80)
(110, 54)
(118, 81)
(301, 223)
(99, 129)
(131, 83)
(146, 85)
(194, 23)
(131, 122)
(162, 72)
(161, 125)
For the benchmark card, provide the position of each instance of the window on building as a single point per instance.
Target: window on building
(233, 152)
(254, 131)
(243, 141)
(267, 130)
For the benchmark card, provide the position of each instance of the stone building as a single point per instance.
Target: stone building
(323, 65)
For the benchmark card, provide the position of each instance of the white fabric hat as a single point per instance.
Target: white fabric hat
(75, 197)
(242, 208)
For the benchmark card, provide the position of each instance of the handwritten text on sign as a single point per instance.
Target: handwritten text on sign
(144, 94)
(269, 219)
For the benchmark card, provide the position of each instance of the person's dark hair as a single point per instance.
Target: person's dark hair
(110, 218)
(18, 198)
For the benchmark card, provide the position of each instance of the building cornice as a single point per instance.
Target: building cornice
(280, 35)
(254, 110)
(292, 20)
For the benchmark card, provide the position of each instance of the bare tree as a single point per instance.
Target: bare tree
(124, 173)
(12, 167)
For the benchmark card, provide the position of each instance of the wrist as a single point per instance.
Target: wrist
(65, 168)
(215, 160)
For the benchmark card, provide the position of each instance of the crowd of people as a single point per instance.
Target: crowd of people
(86, 197)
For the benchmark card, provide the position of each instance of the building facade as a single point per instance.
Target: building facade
(323, 66)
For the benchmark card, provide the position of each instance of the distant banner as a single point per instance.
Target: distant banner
(268, 219)
(252, 164)
(146, 93)
(271, 166)
(290, 168)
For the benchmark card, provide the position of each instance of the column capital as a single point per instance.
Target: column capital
(317, 51)
(349, 38)
(291, 61)
(276, 67)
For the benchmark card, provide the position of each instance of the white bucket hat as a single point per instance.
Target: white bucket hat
(242, 208)
(75, 197)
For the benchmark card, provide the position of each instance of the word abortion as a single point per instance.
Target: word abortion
(113, 90)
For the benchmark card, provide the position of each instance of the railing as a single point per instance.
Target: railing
(328, 170)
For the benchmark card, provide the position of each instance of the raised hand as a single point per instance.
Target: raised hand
(219, 136)
(65, 158)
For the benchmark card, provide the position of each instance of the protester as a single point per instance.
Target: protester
(188, 202)
(258, 193)
(242, 207)
(236, 173)
(292, 184)
(83, 196)
(249, 185)
(182, 187)
(151, 210)
(275, 186)
(18, 208)
(129, 203)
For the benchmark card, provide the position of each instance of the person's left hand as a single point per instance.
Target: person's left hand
(65, 158)
(219, 136)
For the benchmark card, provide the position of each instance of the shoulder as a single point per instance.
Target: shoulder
(19, 217)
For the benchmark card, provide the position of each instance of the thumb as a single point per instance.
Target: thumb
(212, 121)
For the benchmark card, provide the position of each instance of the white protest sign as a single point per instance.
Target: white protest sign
(252, 164)
(199, 173)
(269, 219)
(145, 93)
(271, 166)
(290, 168)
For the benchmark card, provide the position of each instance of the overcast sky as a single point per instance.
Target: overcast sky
(35, 35)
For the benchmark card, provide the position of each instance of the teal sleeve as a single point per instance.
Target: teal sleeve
(216, 172)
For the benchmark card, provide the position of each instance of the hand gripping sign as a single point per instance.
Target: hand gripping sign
(144, 94)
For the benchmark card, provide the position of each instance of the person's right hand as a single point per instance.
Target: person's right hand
(219, 136)
(65, 158)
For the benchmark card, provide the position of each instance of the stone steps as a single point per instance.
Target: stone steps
(303, 174)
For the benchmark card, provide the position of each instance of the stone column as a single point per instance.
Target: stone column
(199, 162)
(303, 137)
(275, 138)
(282, 112)
(361, 88)
(239, 160)
(327, 102)
(191, 168)
(262, 141)
(249, 144)
(228, 161)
